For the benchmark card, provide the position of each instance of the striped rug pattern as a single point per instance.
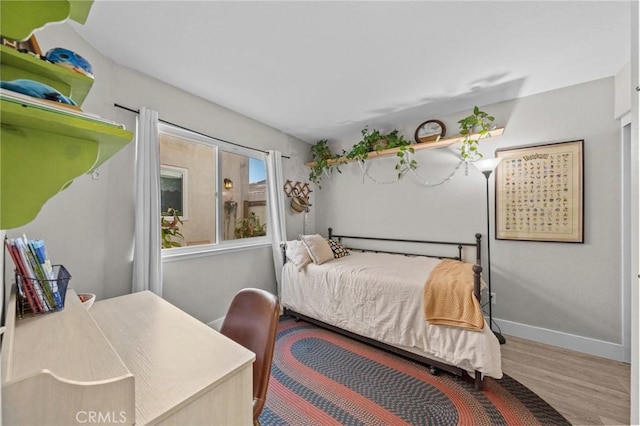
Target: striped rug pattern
(322, 378)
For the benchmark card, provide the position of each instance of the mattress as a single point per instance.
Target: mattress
(379, 296)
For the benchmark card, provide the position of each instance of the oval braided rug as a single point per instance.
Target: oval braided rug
(323, 378)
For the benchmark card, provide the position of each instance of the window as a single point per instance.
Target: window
(218, 190)
(173, 191)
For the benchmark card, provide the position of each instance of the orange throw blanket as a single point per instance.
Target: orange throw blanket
(448, 297)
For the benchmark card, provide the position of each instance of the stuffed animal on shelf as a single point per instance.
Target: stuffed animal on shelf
(36, 90)
(69, 59)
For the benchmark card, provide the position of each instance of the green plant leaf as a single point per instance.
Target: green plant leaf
(479, 122)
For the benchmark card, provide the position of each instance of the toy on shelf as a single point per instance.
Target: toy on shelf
(69, 59)
(36, 90)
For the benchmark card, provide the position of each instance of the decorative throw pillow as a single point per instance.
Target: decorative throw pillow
(338, 249)
(318, 249)
(297, 253)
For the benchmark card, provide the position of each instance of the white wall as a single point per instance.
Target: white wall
(634, 88)
(569, 294)
(89, 226)
(623, 91)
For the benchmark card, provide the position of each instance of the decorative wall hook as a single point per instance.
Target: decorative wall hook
(298, 188)
(95, 174)
(299, 194)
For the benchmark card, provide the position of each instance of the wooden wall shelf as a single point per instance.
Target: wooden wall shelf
(444, 142)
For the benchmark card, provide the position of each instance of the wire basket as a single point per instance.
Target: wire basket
(42, 296)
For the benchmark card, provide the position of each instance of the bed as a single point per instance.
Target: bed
(377, 296)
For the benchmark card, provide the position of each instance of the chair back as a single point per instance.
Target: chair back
(252, 321)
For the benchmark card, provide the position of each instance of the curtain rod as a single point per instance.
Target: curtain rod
(194, 131)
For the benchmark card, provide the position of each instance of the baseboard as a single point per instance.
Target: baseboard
(216, 324)
(609, 350)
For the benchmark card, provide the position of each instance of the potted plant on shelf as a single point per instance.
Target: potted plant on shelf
(377, 141)
(474, 127)
(324, 162)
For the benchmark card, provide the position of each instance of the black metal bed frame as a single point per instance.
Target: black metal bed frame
(433, 364)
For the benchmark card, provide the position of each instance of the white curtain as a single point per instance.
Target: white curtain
(147, 261)
(276, 209)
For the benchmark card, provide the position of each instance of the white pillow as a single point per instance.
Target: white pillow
(297, 253)
(318, 248)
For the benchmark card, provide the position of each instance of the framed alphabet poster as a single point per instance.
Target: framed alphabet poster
(539, 193)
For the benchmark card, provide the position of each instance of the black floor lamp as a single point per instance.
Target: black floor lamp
(487, 166)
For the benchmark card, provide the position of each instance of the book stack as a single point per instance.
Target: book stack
(43, 286)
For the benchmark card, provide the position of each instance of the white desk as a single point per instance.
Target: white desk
(185, 372)
(57, 367)
(134, 359)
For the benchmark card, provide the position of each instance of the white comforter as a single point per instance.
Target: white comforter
(379, 296)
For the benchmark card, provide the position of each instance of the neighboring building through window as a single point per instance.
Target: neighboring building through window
(173, 191)
(218, 189)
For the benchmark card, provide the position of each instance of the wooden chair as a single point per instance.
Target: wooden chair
(252, 321)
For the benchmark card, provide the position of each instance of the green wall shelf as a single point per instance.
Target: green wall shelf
(43, 148)
(17, 65)
(44, 145)
(19, 18)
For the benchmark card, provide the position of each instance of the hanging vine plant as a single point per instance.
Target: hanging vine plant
(377, 141)
(325, 162)
(474, 127)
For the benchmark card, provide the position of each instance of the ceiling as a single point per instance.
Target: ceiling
(324, 69)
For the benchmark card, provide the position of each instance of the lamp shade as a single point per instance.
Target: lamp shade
(487, 164)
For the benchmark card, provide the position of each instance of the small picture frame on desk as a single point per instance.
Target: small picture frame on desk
(28, 46)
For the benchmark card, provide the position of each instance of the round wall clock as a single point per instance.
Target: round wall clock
(430, 131)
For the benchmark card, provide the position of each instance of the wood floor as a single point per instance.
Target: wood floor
(586, 389)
